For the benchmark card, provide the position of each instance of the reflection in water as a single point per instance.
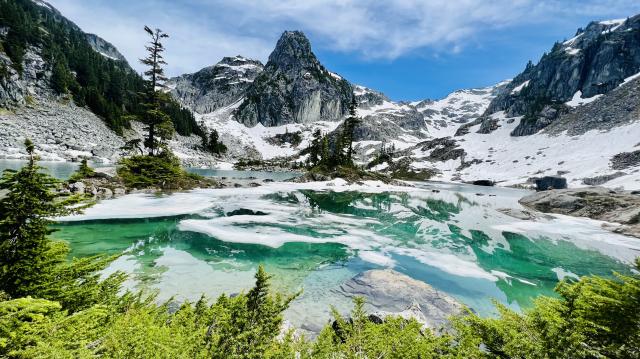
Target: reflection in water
(453, 240)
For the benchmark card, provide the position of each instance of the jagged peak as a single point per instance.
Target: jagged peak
(293, 51)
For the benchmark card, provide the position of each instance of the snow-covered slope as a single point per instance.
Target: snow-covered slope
(580, 151)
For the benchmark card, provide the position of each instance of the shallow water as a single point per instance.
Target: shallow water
(64, 170)
(315, 237)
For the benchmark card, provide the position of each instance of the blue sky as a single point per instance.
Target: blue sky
(408, 49)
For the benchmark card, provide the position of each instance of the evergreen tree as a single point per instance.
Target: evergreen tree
(349, 128)
(60, 78)
(212, 143)
(30, 263)
(158, 123)
(315, 148)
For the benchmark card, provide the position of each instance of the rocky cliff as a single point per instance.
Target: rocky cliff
(215, 86)
(594, 62)
(294, 88)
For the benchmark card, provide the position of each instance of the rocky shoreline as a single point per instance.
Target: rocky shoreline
(622, 208)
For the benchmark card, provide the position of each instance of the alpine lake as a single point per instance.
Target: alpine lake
(315, 236)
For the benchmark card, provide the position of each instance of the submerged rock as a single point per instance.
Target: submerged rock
(388, 292)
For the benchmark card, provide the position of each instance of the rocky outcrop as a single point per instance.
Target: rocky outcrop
(215, 86)
(594, 202)
(594, 62)
(294, 88)
(105, 48)
(550, 182)
(625, 160)
(388, 292)
(533, 123)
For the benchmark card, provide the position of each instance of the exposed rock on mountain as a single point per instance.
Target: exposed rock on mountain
(294, 88)
(215, 86)
(105, 48)
(594, 62)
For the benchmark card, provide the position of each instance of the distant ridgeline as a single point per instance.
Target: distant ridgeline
(99, 79)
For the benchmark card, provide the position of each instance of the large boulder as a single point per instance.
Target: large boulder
(550, 182)
(388, 292)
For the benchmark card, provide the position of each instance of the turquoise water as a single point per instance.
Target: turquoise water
(314, 237)
(276, 176)
(64, 170)
(60, 170)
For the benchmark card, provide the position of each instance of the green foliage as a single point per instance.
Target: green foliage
(327, 153)
(246, 326)
(160, 171)
(213, 143)
(30, 263)
(593, 318)
(83, 171)
(108, 87)
(360, 337)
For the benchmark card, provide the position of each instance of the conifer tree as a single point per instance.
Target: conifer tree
(315, 149)
(158, 123)
(30, 263)
(349, 128)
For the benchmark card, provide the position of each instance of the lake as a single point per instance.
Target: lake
(315, 236)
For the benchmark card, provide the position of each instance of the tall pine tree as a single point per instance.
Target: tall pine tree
(30, 263)
(159, 125)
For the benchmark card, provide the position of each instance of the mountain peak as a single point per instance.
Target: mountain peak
(293, 52)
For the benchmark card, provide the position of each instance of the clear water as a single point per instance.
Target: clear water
(64, 170)
(314, 237)
(57, 169)
(274, 175)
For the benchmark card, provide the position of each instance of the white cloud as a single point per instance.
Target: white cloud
(203, 31)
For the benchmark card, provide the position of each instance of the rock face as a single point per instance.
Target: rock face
(594, 202)
(550, 182)
(594, 62)
(105, 48)
(215, 86)
(294, 88)
(388, 292)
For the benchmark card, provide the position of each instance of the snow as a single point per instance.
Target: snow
(631, 78)
(519, 88)
(335, 75)
(512, 160)
(577, 99)
(239, 68)
(572, 40)
(613, 25)
(256, 137)
(572, 51)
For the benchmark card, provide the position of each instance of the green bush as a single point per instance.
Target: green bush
(83, 171)
(143, 171)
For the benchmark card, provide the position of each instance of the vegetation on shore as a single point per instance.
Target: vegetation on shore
(159, 167)
(52, 307)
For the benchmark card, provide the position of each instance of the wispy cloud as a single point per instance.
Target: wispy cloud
(203, 31)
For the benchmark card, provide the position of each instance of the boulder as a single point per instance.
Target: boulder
(550, 182)
(486, 183)
(388, 292)
(77, 187)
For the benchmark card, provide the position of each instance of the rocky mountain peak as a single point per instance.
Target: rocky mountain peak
(594, 62)
(294, 88)
(293, 53)
(215, 86)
